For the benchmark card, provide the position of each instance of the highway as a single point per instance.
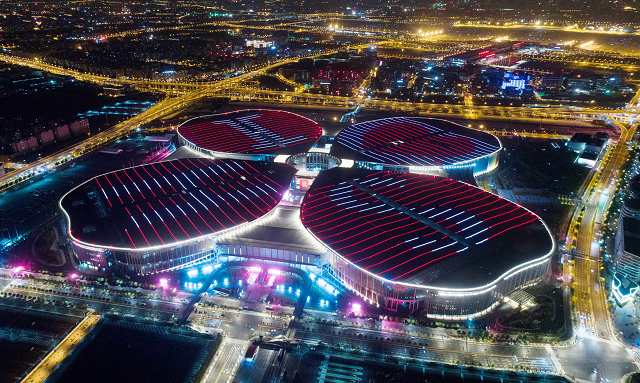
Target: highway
(229, 87)
(540, 27)
(170, 87)
(514, 112)
(163, 108)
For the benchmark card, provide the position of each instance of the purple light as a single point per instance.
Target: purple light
(255, 269)
(163, 282)
(274, 272)
(73, 276)
(18, 269)
(356, 307)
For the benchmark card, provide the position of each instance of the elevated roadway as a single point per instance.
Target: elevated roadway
(170, 87)
(163, 108)
(467, 111)
(42, 371)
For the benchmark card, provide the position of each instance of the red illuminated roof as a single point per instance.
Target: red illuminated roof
(421, 229)
(170, 202)
(413, 142)
(272, 132)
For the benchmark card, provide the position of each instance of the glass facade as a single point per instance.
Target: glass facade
(439, 303)
(480, 166)
(313, 161)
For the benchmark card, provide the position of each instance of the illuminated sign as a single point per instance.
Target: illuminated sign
(303, 183)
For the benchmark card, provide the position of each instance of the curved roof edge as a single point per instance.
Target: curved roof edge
(150, 248)
(500, 147)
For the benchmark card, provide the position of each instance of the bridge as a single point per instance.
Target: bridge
(467, 111)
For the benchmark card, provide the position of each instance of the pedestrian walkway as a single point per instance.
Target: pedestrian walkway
(162, 330)
(338, 372)
(554, 360)
(42, 371)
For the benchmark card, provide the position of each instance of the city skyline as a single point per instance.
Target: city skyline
(279, 192)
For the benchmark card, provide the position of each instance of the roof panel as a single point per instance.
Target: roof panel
(403, 226)
(169, 202)
(413, 142)
(272, 132)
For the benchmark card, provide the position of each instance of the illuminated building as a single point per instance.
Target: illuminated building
(623, 288)
(258, 135)
(168, 215)
(424, 241)
(627, 255)
(417, 145)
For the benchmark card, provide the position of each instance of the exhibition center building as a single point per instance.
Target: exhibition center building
(250, 134)
(167, 215)
(417, 145)
(390, 210)
(425, 241)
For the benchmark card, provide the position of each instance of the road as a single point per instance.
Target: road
(611, 360)
(393, 339)
(42, 371)
(264, 368)
(438, 349)
(415, 104)
(226, 362)
(591, 305)
(61, 300)
(163, 108)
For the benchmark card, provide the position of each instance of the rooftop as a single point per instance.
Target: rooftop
(169, 202)
(631, 227)
(413, 142)
(422, 230)
(282, 231)
(252, 131)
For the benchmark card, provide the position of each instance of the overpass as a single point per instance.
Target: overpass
(467, 111)
(168, 87)
(223, 88)
(189, 93)
(163, 108)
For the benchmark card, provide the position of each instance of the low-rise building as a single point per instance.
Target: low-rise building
(588, 159)
(578, 142)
